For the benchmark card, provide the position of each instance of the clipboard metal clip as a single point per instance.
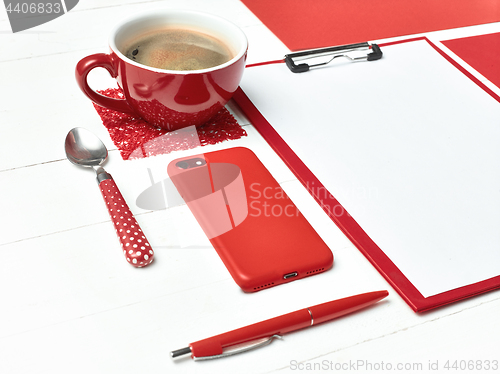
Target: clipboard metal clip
(323, 56)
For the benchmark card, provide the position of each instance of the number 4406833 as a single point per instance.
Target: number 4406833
(33, 8)
(476, 365)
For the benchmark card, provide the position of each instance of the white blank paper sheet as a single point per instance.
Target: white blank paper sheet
(410, 147)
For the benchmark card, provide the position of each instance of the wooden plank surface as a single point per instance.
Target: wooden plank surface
(70, 302)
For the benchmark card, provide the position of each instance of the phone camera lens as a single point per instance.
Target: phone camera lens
(182, 164)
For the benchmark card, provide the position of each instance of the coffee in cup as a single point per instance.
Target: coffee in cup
(177, 49)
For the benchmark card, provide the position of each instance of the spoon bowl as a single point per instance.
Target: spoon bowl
(84, 148)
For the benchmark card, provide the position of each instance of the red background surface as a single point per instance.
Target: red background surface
(309, 24)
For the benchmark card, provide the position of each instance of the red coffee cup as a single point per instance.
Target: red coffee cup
(171, 99)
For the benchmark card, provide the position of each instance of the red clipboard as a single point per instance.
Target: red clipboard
(348, 224)
(480, 52)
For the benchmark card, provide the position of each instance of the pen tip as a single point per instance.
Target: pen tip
(180, 352)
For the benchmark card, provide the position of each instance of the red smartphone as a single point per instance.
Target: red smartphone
(256, 229)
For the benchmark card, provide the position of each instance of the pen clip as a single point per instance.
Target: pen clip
(324, 56)
(240, 348)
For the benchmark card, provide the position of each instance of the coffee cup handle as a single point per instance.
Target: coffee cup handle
(83, 68)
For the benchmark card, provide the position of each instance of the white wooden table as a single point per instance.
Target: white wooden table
(71, 304)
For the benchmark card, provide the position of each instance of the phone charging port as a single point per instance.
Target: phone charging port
(290, 275)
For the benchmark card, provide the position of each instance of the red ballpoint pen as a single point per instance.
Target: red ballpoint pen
(228, 343)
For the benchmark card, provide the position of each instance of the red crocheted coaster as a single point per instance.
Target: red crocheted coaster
(135, 138)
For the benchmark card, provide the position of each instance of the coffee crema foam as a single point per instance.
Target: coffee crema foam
(178, 49)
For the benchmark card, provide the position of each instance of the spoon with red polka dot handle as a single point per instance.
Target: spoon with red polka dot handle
(83, 148)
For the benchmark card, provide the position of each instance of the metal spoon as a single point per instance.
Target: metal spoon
(83, 148)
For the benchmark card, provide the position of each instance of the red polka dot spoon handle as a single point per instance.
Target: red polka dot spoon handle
(135, 246)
